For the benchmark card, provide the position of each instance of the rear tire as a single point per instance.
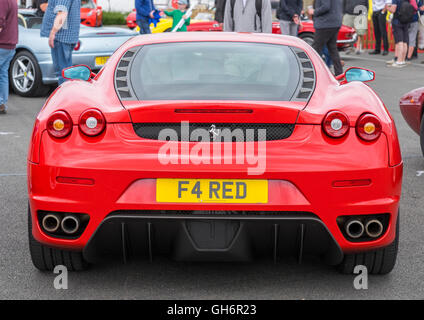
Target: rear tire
(381, 261)
(308, 37)
(46, 259)
(28, 82)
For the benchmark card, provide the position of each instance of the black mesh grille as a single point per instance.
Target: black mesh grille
(217, 132)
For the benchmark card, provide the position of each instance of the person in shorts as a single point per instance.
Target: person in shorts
(413, 32)
(356, 16)
(401, 36)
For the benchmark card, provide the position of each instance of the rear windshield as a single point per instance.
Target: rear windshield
(88, 4)
(215, 71)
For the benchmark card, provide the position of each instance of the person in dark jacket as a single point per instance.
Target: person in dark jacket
(327, 16)
(145, 10)
(356, 16)
(8, 41)
(289, 15)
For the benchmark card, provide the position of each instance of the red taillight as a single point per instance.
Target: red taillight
(59, 124)
(368, 127)
(92, 122)
(77, 46)
(335, 124)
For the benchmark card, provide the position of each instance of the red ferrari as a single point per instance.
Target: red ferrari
(214, 146)
(91, 14)
(347, 36)
(411, 106)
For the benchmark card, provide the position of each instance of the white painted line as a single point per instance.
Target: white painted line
(352, 57)
(12, 174)
(5, 133)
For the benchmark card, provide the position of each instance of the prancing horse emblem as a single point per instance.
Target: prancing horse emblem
(214, 132)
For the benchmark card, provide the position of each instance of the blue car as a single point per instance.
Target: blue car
(31, 71)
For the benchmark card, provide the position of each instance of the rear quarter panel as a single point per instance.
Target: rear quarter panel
(411, 106)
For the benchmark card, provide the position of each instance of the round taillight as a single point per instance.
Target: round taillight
(92, 122)
(59, 124)
(335, 124)
(77, 46)
(368, 127)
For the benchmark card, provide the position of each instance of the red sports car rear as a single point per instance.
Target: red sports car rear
(215, 146)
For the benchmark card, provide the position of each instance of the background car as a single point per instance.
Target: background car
(117, 166)
(347, 36)
(91, 14)
(411, 106)
(31, 70)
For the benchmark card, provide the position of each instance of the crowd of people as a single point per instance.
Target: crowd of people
(233, 15)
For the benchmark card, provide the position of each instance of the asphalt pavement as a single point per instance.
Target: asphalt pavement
(165, 279)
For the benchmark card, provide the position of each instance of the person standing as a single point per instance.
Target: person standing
(61, 24)
(145, 11)
(8, 41)
(179, 14)
(327, 17)
(379, 20)
(356, 16)
(289, 15)
(400, 27)
(248, 16)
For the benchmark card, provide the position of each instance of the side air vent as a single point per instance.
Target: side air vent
(307, 77)
(123, 89)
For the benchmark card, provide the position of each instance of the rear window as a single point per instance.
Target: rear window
(215, 71)
(88, 4)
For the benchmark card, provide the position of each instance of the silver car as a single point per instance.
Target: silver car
(31, 71)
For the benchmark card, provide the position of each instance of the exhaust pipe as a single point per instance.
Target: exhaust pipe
(70, 224)
(50, 223)
(374, 228)
(354, 229)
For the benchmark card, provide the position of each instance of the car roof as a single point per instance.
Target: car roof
(216, 36)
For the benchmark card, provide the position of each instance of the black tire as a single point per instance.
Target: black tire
(36, 87)
(379, 262)
(422, 134)
(45, 258)
(308, 37)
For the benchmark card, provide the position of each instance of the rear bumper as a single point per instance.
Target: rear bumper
(198, 237)
(301, 171)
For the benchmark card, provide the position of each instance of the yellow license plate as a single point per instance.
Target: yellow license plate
(211, 191)
(101, 61)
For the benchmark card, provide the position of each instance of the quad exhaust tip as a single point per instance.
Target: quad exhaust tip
(355, 228)
(51, 223)
(70, 224)
(374, 228)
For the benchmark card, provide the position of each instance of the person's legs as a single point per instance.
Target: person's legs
(62, 58)
(55, 58)
(327, 57)
(377, 33)
(320, 39)
(294, 29)
(382, 18)
(400, 33)
(144, 26)
(5, 58)
(334, 52)
(285, 27)
(412, 37)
